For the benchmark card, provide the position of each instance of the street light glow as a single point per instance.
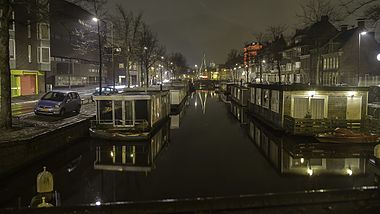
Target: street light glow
(378, 57)
(363, 33)
(95, 19)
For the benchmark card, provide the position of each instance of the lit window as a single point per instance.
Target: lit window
(29, 30)
(43, 31)
(29, 53)
(44, 55)
(12, 49)
(12, 24)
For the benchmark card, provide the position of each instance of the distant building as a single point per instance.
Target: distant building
(299, 64)
(29, 48)
(344, 62)
(74, 45)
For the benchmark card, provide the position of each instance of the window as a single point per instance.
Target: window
(12, 49)
(12, 24)
(43, 32)
(29, 53)
(324, 64)
(29, 30)
(44, 55)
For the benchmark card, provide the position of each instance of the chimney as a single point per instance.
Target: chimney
(324, 18)
(361, 23)
(343, 28)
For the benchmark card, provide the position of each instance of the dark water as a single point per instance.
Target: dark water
(210, 154)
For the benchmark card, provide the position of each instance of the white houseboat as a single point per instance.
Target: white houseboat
(308, 110)
(131, 115)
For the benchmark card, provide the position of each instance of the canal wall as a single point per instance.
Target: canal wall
(16, 154)
(359, 200)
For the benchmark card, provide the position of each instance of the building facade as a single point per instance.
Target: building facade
(74, 44)
(29, 48)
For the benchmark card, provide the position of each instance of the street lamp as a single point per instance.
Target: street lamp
(363, 33)
(95, 19)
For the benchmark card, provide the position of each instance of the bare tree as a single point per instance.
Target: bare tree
(353, 6)
(234, 57)
(149, 51)
(276, 31)
(127, 28)
(179, 63)
(41, 11)
(312, 10)
(5, 73)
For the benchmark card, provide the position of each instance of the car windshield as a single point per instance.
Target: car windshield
(54, 96)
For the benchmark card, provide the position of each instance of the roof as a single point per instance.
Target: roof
(343, 36)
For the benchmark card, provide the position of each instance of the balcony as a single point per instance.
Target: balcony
(308, 126)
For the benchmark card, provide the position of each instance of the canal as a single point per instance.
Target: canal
(209, 154)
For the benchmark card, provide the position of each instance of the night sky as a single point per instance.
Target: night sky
(212, 26)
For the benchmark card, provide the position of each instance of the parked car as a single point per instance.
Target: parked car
(58, 103)
(105, 91)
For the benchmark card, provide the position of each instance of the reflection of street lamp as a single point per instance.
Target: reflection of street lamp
(363, 33)
(100, 53)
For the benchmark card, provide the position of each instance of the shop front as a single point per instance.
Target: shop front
(25, 82)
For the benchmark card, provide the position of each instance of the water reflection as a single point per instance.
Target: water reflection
(200, 98)
(304, 156)
(240, 112)
(131, 156)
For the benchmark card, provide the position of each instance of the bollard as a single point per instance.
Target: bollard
(45, 182)
(377, 151)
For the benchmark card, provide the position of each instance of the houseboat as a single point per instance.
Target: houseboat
(132, 156)
(305, 156)
(132, 115)
(239, 102)
(308, 110)
(179, 92)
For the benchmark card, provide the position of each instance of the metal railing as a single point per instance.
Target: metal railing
(308, 126)
(128, 125)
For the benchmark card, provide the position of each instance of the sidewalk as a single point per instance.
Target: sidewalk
(83, 92)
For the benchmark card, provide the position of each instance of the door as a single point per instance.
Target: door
(123, 113)
(317, 108)
(300, 107)
(28, 84)
(354, 110)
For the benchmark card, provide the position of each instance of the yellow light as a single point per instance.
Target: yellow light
(311, 93)
(351, 93)
(112, 154)
(302, 160)
(349, 171)
(309, 171)
(131, 155)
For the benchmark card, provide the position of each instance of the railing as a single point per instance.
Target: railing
(138, 125)
(371, 125)
(307, 126)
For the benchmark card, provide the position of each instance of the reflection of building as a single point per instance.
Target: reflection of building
(29, 48)
(132, 156)
(309, 110)
(303, 156)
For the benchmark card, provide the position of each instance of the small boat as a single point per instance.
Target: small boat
(342, 135)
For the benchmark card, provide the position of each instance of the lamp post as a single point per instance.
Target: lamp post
(100, 53)
(363, 33)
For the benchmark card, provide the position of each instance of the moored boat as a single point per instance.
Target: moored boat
(341, 135)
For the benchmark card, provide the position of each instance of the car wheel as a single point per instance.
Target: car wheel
(62, 112)
(77, 110)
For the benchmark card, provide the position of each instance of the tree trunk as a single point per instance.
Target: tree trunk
(5, 72)
(147, 76)
(279, 71)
